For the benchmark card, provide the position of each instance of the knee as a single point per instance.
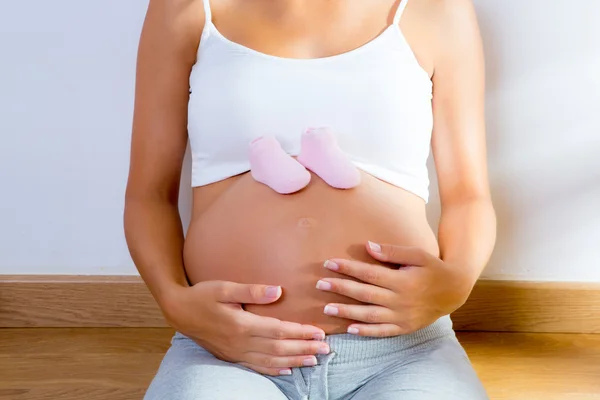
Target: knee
(441, 370)
(449, 366)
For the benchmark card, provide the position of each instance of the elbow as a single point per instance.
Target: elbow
(463, 196)
(140, 201)
(480, 201)
(470, 199)
(162, 193)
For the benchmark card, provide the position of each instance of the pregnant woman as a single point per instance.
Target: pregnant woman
(325, 293)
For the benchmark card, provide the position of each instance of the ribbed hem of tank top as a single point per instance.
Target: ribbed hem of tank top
(403, 181)
(410, 183)
(217, 174)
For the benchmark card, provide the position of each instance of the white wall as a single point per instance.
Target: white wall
(66, 95)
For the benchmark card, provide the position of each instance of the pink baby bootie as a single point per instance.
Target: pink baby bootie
(321, 154)
(272, 166)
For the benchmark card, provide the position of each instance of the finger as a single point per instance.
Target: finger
(288, 347)
(231, 292)
(369, 314)
(369, 273)
(377, 330)
(268, 327)
(403, 255)
(276, 362)
(360, 291)
(267, 371)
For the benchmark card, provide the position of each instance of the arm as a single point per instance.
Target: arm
(167, 52)
(467, 227)
(425, 287)
(153, 228)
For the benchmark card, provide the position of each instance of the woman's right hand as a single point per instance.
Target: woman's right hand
(211, 314)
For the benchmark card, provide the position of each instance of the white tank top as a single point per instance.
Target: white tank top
(376, 98)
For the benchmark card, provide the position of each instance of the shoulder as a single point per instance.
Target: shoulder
(453, 29)
(177, 24)
(445, 10)
(437, 29)
(176, 17)
(182, 10)
(455, 21)
(445, 16)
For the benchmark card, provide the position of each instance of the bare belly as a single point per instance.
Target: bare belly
(242, 231)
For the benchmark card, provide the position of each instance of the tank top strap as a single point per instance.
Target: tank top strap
(399, 11)
(207, 21)
(207, 12)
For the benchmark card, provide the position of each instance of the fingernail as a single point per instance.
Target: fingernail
(319, 336)
(323, 285)
(310, 362)
(374, 247)
(331, 265)
(285, 372)
(331, 310)
(353, 331)
(323, 350)
(272, 291)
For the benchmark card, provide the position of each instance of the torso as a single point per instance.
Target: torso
(243, 231)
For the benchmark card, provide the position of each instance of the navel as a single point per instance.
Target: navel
(306, 223)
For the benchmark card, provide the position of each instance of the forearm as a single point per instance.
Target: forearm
(155, 239)
(467, 233)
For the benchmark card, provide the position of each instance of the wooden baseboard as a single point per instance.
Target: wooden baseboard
(124, 301)
(522, 306)
(76, 301)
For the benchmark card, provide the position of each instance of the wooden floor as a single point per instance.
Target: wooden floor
(118, 364)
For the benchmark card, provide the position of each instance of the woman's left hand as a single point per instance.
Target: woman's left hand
(422, 289)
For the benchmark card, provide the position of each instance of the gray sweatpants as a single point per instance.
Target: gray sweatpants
(428, 364)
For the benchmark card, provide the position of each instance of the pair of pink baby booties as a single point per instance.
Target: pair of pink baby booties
(272, 166)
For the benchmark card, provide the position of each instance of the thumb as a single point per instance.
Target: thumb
(231, 292)
(404, 255)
